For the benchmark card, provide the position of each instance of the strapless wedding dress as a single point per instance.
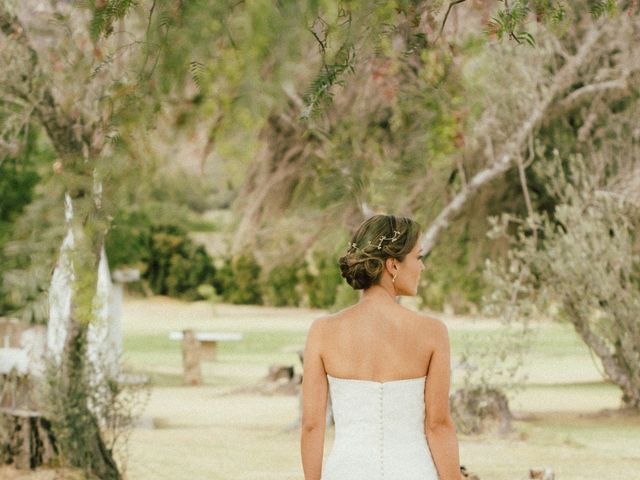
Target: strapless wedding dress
(379, 431)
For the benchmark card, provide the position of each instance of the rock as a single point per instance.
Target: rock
(542, 473)
(280, 371)
(466, 475)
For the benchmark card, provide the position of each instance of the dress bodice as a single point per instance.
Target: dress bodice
(379, 431)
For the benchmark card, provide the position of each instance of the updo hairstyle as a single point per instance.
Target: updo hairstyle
(362, 265)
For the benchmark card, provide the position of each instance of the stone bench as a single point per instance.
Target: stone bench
(197, 346)
(208, 341)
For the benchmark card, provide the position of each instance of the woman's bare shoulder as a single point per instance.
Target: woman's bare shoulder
(345, 313)
(430, 324)
(320, 323)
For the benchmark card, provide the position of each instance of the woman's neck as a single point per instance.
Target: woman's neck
(378, 293)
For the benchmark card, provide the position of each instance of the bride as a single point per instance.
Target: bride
(386, 368)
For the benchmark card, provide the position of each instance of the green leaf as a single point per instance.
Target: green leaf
(527, 37)
(101, 23)
(600, 8)
(197, 71)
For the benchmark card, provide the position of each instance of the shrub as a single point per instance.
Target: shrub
(345, 296)
(176, 266)
(237, 280)
(321, 279)
(170, 262)
(19, 176)
(127, 240)
(281, 288)
(453, 275)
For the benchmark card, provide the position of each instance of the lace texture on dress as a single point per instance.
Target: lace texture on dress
(379, 431)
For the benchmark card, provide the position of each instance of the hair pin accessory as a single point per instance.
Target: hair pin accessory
(396, 235)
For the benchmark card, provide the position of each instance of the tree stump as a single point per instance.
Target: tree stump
(191, 359)
(280, 371)
(30, 442)
(480, 410)
(467, 475)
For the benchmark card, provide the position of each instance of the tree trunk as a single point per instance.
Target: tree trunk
(271, 181)
(75, 390)
(615, 364)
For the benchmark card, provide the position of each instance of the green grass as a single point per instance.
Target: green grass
(261, 343)
(201, 225)
(217, 432)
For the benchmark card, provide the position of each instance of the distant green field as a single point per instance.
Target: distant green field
(210, 432)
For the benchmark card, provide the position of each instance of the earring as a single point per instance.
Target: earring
(394, 278)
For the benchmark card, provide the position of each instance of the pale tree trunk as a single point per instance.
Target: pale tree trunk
(81, 334)
(619, 363)
(268, 188)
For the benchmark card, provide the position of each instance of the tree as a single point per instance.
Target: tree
(594, 42)
(286, 160)
(585, 264)
(35, 92)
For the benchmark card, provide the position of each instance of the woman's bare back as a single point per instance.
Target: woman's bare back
(377, 343)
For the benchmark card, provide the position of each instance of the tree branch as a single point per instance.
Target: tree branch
(58, 125)
(12, 28)
(564, 78)
(581, 94)
(446, 16)
(527, 199)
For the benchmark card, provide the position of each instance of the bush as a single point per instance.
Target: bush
(19, 176)
(321, 279)
(481, 409)
(19, 179)
(176, 266)
(281, 288)
(170, 262)
(237, 280)
(127, 240)
(345, 296)
(453, 275)
(188, 272)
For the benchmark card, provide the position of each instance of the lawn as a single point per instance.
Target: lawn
(214, 432)
(223, 430)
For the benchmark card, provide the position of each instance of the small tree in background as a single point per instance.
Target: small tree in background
(586, 265)
(492, 366)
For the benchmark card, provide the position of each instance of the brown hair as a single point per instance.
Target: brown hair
(362, 265)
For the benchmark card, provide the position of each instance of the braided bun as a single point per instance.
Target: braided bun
(363, 264)
(360, 272)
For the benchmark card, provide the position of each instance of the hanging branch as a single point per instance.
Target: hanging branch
(330, 73)
(525, 192)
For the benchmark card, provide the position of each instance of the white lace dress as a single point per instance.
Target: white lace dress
(379, 431)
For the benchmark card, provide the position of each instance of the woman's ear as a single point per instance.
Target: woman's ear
(391, 264)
